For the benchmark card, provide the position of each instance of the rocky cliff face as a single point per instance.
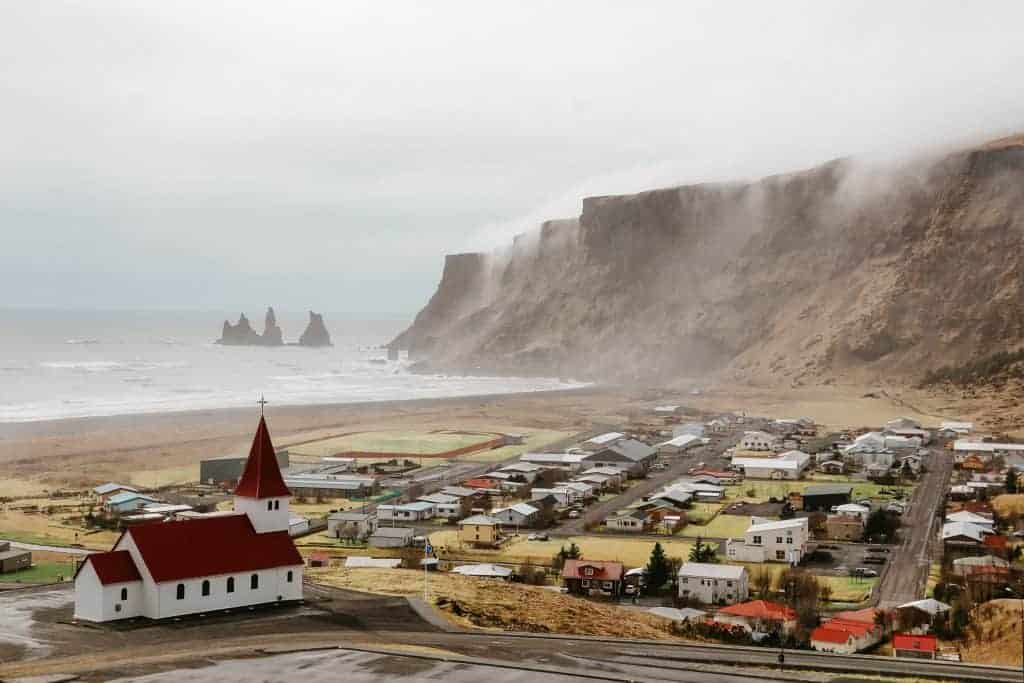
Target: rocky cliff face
(843, 272)
(316, 333)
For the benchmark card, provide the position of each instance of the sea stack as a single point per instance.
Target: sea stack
(242, 334)
(316, 332)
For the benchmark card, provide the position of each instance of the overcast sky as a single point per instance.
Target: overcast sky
(327, 155)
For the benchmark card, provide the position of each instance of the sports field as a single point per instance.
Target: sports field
(397, 443)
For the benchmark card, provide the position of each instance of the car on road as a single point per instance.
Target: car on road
(537, 537)
(864, 572)
(574, 514)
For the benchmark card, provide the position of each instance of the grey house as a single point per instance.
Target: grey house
(635, 457)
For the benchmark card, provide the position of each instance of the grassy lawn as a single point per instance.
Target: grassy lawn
(934, 572)
(44, 530)
(722, 526)
(849, 588)
(702, 513)
(41, 572)
(413, 442)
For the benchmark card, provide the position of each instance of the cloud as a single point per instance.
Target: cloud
(326, 145)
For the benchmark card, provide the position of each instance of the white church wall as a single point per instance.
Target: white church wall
(88, 595)
(271, 585)
(264, 520)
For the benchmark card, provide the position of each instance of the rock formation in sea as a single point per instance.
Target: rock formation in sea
(242, 334)
(316, 333)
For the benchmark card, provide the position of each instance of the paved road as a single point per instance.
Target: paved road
(907, 574)
(710, 454)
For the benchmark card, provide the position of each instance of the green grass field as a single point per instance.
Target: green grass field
(41, 572)
(849, 588)
(534, 440)
(411, 443)
(722, 526)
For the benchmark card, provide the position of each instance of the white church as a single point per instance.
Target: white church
(201, 564)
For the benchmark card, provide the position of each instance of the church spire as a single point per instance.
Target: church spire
(262, 477)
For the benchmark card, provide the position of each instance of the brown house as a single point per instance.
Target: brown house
(593, 577)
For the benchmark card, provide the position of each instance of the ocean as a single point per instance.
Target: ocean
(72, 364)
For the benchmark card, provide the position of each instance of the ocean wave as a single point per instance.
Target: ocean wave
(98, 366)
(82, 341)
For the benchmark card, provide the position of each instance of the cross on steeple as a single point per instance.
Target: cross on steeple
(262, 402)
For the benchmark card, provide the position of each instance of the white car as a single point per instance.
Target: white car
(574, 514)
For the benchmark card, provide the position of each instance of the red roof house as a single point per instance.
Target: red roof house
(481, 483)
(586, 576)
(758, 615)
(908, 645)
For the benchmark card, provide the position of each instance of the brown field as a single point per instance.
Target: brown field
(490, 603)
(995, 635)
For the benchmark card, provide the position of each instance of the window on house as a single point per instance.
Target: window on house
(270, 505)
(756, 540)
(589, 571)
(124, 593)
(778, 539)
(181, 591)
(586, 583)
(789, 541)
(685, 580)
(728, 584)
(780, 554)
(206, 587)
(254, 581)
(290, 576)
(231, 584)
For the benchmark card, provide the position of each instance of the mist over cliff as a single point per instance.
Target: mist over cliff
(848, 271)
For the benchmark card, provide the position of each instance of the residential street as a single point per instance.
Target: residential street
(907, 573)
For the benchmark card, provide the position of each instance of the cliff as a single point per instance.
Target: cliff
(847, 271)
(316, 333)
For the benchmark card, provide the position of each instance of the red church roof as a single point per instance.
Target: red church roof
(262, 477)
(116, 566)
(208, 546)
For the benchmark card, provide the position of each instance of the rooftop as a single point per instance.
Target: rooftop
(759, 609)
(709, 570)
(262, 476)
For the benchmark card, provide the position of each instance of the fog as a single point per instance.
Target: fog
(327, 155)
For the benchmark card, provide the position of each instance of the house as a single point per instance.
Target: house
(876, 471)
(757, 441)
(602, 440)
(634, 581)
(408, 512)
(526, 471)
(917, 610)
(717, 426)
(518, 515)
(298, 525)
(713, 584)
(445, 506)
(770, 541)
(912, 463)
(634, 521)
(923, 436)
(973, 462)
(971, 518)
(725, 478)
(570, 462)
(903, 423)
(480, 530)
(484, 571)
(667, 410)
(462, 493)
(679, 444)
(599, 482)
(695, 429)
(326, 485)
(758, 616)
(630, 455)
(581, 488)
(204, 564)
(563, 496)
(841, 527)
(682, 615)
(391, 537)
(790, 465)
(847, 633)
(104, 491)
(832, 467)
(593, 577)
(127, 501)
(957, 428)
(225, 470)
(824, 497)
(351, 524)
(483, 484)
(964, 566)
(914, 646)
(964, 532)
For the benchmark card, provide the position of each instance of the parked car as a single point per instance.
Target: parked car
(864, 572)
(537, 537)
(574, 514)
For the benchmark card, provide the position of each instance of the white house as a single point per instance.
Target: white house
(679, 444)
(713, 584)
(630, 455)
(520, 514)
(971, 518)
(789, 465)
(408, 512)
(562, 495)
(359, 524)
(391, 537)
(854, 510)
(602, 440)
(446, 506)
(770, 541)
(571, 462)
(961, 428)
(758, 441)
(201, 564)
(634, 521)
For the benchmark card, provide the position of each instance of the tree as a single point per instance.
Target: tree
(761, 582)
(658, 568)
(1011, 480)
(572, 553)
(881, 526)
(701, 552)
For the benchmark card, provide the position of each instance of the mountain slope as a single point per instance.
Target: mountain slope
(845, 271)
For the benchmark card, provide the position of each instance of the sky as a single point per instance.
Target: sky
(326, 155)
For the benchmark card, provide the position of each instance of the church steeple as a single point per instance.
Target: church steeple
(261, 492)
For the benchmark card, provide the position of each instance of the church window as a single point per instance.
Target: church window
(231, 584)
(289, 579)
(270, 505)
(124, 593)
(206, 587)
(254, 581)
(181, 591)
(277, 505)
